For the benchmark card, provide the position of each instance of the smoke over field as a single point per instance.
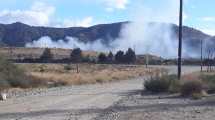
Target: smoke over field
(149, 32)
(68, 43)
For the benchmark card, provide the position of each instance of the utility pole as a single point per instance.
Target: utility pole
(147, 56)
(147, 60)
(201, 55)
(180, 38)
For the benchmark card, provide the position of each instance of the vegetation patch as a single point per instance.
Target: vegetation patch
(192, 88)
(13, 76)
(194, 85)
(158, 84)
(209, 81)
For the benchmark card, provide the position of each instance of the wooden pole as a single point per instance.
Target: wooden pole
(180, 38)
(201, 56)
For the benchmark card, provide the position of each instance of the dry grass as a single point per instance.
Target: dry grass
(203, 80)
(191, 76)
(89, 73)
(18, 53)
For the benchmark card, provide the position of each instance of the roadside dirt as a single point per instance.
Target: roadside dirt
(86, 102)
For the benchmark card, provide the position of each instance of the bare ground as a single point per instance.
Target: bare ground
(111, 101)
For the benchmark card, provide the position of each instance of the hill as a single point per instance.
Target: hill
(18, 34)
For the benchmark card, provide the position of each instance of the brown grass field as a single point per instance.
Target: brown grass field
(20, 52)
(89, 73)
(64, 74)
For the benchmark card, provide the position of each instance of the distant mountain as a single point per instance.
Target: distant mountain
(18, 34)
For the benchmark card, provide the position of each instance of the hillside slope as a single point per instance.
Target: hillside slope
(18, 34)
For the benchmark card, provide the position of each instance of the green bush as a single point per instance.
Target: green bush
(42, 68)
(197, 96)
(67, 67)
(3, 83)
(13, 76)
(190, 88)
(175, 86)
(160, 84)
(46, 56)
(209, 81)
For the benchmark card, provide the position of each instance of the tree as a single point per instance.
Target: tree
(110, 57)
(47, 56)
(76, 57)
(130, 56)
(209, 60)
(102, 58)
(119, 57)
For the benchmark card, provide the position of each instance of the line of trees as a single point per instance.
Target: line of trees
(129, 57)
(76, 56)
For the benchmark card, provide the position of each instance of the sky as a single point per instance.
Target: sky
(69, 13)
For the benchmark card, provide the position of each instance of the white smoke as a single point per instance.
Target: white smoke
(155, 38)
(144, 36)
(69, 43)
(148, 33)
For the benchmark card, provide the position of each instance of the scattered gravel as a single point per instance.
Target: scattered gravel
(112, 101)
(161, 107)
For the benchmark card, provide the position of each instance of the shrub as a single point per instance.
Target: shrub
(197, 96)
(46, 56)
(76, 55)
(13, 76)
(110, 57)
(67, 67)
(3, 83)
(157, 84)
(190, 88)
(102, 58)
(209, 81)
(42, 68)
(175, 85)
(87, 59)
(163, 83)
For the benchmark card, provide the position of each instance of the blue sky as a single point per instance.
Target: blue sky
(65, 13)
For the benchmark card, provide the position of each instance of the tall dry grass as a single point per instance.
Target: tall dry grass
(89, 73)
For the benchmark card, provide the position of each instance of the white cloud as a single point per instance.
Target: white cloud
(42, 7)
(208, 19)
(39, 15)
(111, 5)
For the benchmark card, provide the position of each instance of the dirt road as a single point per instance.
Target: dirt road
(72, 103)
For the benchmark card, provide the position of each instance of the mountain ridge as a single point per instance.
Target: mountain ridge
(18, 34)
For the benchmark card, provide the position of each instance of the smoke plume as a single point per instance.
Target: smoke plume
(147, 33)
(69, 43)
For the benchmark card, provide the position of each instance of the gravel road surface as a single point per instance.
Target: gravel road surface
(111, 101)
